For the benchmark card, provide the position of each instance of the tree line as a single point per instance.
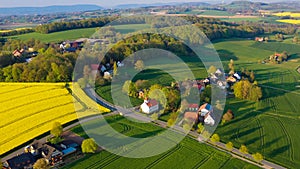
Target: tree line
(16, 32)
(62, 26)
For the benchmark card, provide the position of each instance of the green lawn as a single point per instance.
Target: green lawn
(77, 33)
(124, 29)
(216, 13)
(188, 154)
(269, 126)
(58, 36)
(208, 12)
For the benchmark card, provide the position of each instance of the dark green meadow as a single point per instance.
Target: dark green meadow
(188, 154)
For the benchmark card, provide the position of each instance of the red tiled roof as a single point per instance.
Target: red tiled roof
(203, 106)
(152, 103)
(191, 116)
(193, 105)
(94, 66)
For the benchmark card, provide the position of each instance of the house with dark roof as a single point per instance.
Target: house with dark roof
(47, 151)
(22, 161)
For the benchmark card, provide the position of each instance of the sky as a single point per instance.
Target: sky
(103, 3)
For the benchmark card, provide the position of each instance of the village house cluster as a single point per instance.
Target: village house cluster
(54, 154)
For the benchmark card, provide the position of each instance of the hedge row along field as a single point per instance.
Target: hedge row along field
(187, 154)
(29, 110)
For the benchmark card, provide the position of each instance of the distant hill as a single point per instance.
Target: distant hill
(47, 9)
(126, 6)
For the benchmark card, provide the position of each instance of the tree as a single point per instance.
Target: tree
(246, 90)
(243, 149)
(115, 71)
(142, 84)
(89, 146)
(172, 119)
(125, 88)
(231, 65)
(154, 116)
(228, 115)
(86, 71)
(211, 69)
(229, 146)
(41, 164)
(215, 138)
(170, 122)
(139, 65)
(200, 128)
(257, 157)
(57, 129)
(252, 76)
(187, 126)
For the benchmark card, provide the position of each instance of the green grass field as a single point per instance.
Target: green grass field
(208, 12)
(269, 126)
(188, 154)
(77, 33)
(253, 125)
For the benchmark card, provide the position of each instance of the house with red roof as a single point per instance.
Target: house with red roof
(193, 107)
(149, 106)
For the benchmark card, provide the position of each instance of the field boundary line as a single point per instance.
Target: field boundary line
(284, 90)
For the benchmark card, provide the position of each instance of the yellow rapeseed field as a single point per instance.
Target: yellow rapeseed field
(29, 109)
(290, 21)
(291, 14)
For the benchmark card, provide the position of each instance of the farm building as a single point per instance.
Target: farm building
(25, 160)
(192, 117)
(49, 152)
(205, 109)
(149, 106)
(205, 112)
(18, 53)
(193, 107)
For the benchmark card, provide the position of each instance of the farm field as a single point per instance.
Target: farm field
(269, 126)
(291, 14)
(200, 155)
(208, 12)
(76, 33)
(29, 110)
(291, 21)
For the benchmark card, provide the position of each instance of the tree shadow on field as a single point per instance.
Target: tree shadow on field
(244, 133)
(226, 55)
(278, 151)
(148, 134)
(253, 140)
(268, 144)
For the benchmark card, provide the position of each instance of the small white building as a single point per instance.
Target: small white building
(205, 111)
(149, 106)
(208, 120)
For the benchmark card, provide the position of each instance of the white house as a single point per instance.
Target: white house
(149, 106)
(238, 77)
(208, 120)
(205, 111)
